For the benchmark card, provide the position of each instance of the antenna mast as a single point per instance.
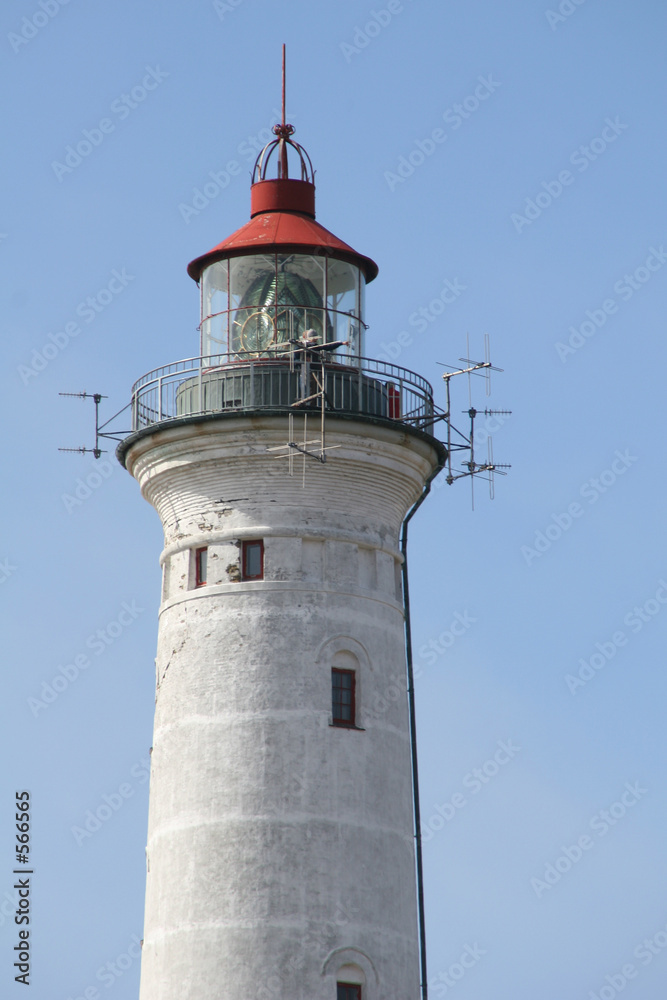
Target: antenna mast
(471, 467)
(113, 435)
(97, 397)
(284, 57)
(284, 169)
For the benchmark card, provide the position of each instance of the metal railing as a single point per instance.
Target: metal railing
(226, 383)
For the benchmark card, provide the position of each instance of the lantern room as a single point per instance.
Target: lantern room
(282, 279)
(261, 303)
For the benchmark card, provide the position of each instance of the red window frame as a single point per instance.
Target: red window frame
(337, 719)
(201, 566)
(245, 547)
(348, 991)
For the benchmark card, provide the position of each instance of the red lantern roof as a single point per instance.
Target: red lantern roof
(282, 215)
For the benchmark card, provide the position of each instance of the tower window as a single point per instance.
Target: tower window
(252, 558)
(342, 699)
(348, 991)
(201, 566)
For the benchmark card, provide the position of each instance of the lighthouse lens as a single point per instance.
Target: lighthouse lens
(257, 305)
(277, 303)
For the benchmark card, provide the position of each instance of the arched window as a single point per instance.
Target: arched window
(354, 973)
(344, 672)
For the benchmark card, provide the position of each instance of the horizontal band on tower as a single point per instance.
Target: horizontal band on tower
(244, 588)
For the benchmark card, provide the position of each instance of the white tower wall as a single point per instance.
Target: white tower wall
(280, 847)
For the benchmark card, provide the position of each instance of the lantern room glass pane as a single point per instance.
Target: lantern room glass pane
(214, 309)
(342, 282)
(362, 314)
(344, 305)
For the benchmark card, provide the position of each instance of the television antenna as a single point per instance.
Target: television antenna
(463, 442)
(96, 451)
(312, 376)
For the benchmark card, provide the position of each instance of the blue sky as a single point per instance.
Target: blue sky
(530, 137)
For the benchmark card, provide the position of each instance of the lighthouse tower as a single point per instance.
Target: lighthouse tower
(282, 463)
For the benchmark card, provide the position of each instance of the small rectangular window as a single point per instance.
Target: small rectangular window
(253, 560)
(201, 565)
(342, 696)
(348, 991)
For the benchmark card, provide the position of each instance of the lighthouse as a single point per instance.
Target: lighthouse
(283, 463)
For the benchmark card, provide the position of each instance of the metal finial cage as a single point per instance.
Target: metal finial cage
(281, 144)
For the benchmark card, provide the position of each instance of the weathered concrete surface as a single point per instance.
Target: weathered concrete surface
(280, 848)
